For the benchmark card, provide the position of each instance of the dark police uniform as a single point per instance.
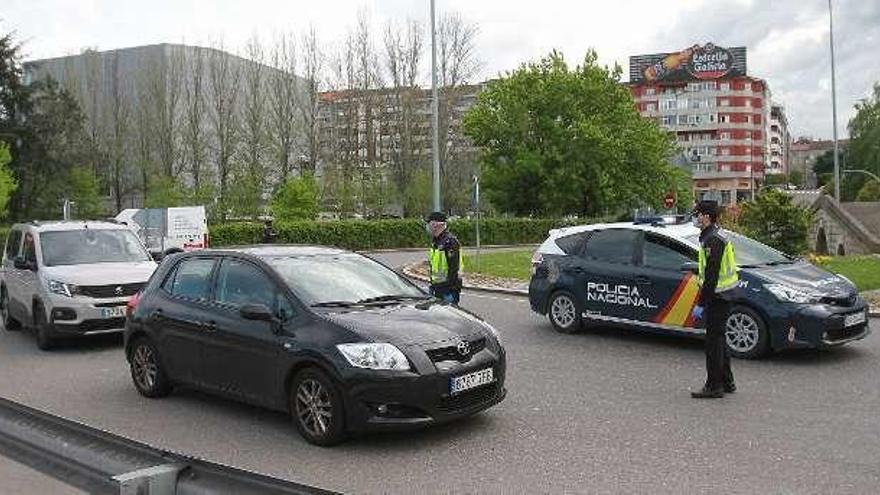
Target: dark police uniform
(716, 246)
(445, 261)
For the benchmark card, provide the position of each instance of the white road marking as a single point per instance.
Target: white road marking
(508, 299)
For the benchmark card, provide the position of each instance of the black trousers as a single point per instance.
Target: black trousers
(718, 371)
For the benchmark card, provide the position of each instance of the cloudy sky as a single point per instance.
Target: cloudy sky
(787, 40)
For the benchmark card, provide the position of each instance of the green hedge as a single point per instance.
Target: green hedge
(383, 234)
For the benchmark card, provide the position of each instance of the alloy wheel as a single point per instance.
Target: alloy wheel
(563, 311)
(145, 368)
(314, 410)
(742, 332)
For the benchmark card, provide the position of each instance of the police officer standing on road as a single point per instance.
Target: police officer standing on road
(717, 275)
(444, 258)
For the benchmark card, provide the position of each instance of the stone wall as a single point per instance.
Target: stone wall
(840, 232)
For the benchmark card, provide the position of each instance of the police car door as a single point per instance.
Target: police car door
(664, 281)
(606, 279)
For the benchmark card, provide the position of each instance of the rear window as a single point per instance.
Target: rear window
(612, 246)
(191, 279)
(573, 244)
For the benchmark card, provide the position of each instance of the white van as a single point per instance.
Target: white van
(168, 230)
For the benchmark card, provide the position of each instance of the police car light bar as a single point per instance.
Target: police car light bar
(659, 220)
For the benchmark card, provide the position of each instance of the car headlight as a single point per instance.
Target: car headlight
(374, 356)
(790, 294)
(61, 288)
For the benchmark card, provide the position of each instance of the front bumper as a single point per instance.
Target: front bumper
(819, 326)
(388, 400)
(78, 315)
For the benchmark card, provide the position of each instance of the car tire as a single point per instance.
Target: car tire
(745, 333)
(147, 372)
(563, 312)
(42, 329)
(317, 408)
(9, 323)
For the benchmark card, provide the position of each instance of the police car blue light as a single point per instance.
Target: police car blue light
(641, 274)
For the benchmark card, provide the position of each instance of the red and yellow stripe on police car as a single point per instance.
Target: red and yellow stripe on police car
(677, 311)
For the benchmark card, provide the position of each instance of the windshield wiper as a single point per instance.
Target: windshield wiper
(782, 262)
(335, 304)
(391, 297)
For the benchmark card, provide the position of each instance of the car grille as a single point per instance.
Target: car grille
(450, 353)
(842, 301)
(99, 325)
(108, 291)
(469, 399)
(844, 333)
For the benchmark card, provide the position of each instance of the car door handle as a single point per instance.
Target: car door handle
(643, 281)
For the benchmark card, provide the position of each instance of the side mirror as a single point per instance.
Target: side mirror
(22, 264)
(258, 312)
(157, 256)
(690, 266)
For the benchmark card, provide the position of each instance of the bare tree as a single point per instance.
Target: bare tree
(143, 132)
(194, 104)
(224, 77)
(164, 90)
(313, 66)
(284, 87)
(369, 93)
(403, 52)
(458, 66)
(254, 109)
(117, 117)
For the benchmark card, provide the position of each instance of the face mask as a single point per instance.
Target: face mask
(696, 221)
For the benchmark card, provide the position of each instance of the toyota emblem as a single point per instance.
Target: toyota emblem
(119, 291)
(464, 348)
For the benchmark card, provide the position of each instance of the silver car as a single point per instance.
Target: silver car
(70, 278)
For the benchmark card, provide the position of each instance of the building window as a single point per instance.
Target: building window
(651, 107)
(667, 105)
(724, 119)
(649, 91)
(708, 85)
(682, 103)
(725, 136)
(713, 117)
(682, 120)
(725, 151)
(725, 102)
(668, 120)
(756, 119)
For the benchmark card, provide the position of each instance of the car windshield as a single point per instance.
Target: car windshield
(341, 278)
(750, 252)
(79, 247)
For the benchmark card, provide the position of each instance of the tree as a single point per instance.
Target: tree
(283, 94)
(296, 199)
(7, 180)
(224, 80)
(85, 193)
(194, 104)
(164, 192)
(774, 220)
(558, 141)
(864, 131)
(869, 192)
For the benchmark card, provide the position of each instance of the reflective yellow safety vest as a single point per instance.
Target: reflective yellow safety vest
(728, 274)
(440, 266)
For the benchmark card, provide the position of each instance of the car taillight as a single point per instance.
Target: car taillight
(132, 304)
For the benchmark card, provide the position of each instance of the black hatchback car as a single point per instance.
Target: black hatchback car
(336, 339)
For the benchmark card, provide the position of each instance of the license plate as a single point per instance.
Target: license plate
(471, 380)
(854, 319)
(114, 312)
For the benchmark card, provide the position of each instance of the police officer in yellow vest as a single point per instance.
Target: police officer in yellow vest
(444, 257)
(718, 276)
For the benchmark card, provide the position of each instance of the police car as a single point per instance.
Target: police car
(642, 274)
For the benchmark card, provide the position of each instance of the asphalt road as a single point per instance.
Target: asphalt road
(605, 411)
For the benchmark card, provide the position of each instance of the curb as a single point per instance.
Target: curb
(407, 271)
(464, 248)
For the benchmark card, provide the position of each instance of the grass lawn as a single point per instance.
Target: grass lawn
(864, 271)
(508, 264)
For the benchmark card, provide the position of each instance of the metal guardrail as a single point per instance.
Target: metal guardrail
(103, 463)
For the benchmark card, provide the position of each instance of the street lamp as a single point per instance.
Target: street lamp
(834, 103)
(435, 119)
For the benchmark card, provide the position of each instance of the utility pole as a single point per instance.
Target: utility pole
(834, 104)
(435, 118)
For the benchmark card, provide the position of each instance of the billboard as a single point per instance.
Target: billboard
(697, 62)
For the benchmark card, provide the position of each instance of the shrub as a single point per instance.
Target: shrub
(386, 234)
(774, 220)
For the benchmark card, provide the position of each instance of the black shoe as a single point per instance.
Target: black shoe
(708, 393)
(729, 388)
